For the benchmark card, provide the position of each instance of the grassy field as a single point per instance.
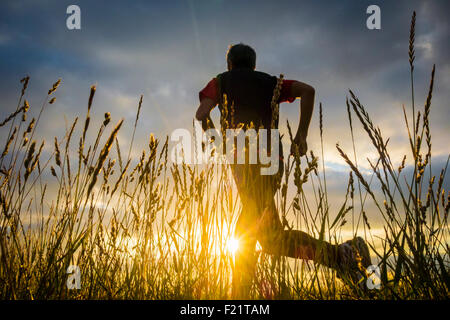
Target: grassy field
(149, 229)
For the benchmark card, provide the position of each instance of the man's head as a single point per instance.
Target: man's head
(241, 56)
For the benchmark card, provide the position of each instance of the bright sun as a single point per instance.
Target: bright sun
(232, 245)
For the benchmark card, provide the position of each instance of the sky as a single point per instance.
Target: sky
(169, 50)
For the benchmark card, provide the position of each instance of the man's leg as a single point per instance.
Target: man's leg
(295, 243)
(259, 220)
(245, 232)
(350, 258)
(245, 257)
(291, 243)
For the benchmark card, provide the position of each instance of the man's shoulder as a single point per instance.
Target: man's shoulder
(256, 73)
(222, 74)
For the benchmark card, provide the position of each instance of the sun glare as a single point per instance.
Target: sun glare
(232, 245)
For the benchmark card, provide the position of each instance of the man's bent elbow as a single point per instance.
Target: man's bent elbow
(310, 90)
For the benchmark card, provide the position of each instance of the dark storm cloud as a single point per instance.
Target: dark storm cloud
(185, 40)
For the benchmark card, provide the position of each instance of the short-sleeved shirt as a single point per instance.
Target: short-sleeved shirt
(211, 91)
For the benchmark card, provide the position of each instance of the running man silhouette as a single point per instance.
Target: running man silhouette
(250, 92)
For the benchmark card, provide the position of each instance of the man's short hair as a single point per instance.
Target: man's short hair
(242, 56)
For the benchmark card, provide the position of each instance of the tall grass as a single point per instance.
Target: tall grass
(149, 229)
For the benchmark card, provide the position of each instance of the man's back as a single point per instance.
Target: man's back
(249, 95)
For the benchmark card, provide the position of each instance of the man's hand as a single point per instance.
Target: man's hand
(299, 144)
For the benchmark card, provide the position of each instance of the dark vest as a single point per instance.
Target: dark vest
(249, 96)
